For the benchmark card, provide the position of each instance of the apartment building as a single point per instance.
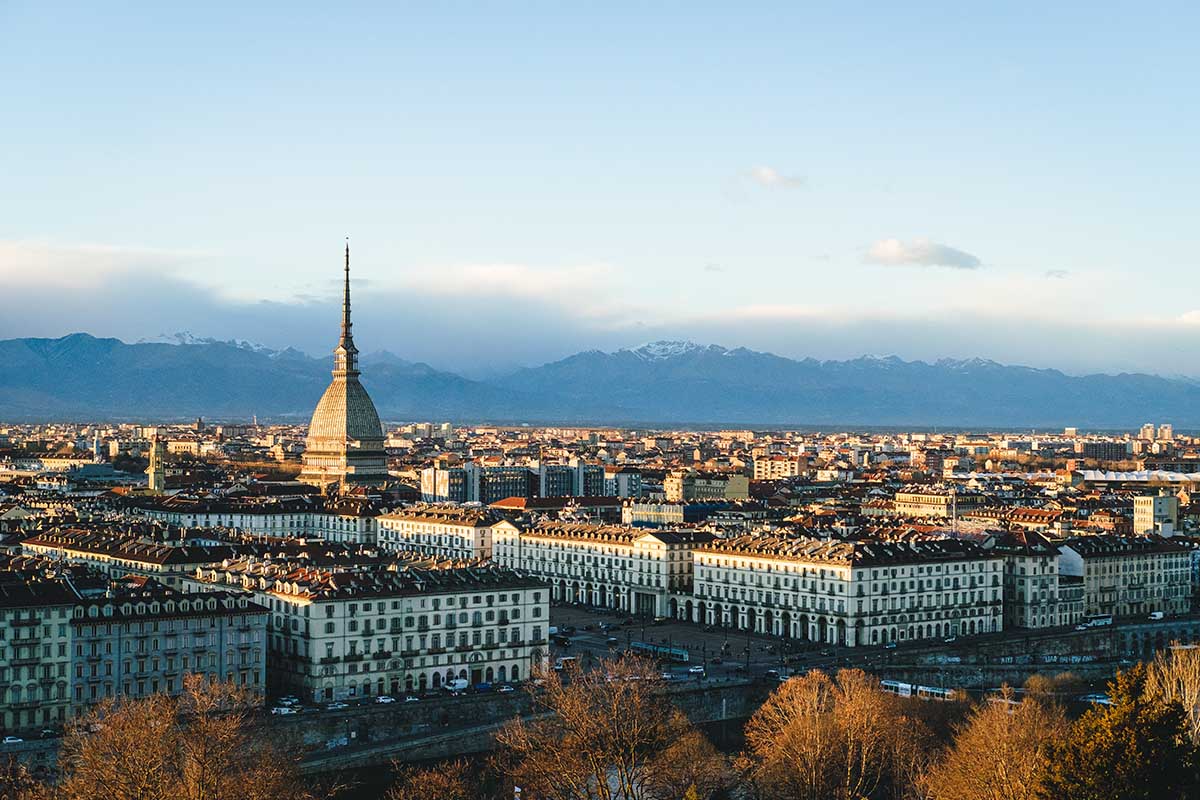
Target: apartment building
(1129, 575)
(35, 656)
(773, 468)
(336, 633)
(348, 520)
(117, 554)
(937, 500)
(1156, 514)
(630, 569)
(142, 637)
(852, 593)
(1034, 595)
(442, 530)
(690, 486)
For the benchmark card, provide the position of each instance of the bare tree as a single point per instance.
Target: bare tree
(451, 780)
(602, 735)
(999, 752)
(203, 745)
(1174, 675)
(818, 737)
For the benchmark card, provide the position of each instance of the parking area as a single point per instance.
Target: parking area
(723, 653)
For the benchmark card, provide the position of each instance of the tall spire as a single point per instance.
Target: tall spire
(345, 355)
(346, 297)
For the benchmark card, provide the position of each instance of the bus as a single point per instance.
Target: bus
(661, 652)
(1096, 620)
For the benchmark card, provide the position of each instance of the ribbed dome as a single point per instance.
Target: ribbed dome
(344, 414)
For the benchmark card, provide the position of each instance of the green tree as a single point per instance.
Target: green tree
(1138, 748)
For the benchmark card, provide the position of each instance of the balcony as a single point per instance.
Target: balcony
(353, 657)
(381, 655)
(329, 660)
(25, 622)
(24, 661)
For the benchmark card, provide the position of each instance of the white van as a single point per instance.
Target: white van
(1157, 615)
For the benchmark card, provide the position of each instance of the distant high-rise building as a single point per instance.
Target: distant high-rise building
(345, 443)
(1166, 432)
(1147, 432)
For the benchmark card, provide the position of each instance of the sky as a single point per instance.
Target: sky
(521, 181)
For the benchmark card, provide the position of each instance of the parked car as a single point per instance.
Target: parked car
(281, 710)
(13, 740)
(335, 706)
(505, 689)
(696, 670)
(384, 698)
(890, 646)
(481, 688)
(611, 641)
(412, 698)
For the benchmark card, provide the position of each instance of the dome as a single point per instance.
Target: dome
(344, 414)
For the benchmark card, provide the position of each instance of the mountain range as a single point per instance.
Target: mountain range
(83, 377)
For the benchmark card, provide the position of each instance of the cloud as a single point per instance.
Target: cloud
(713, 268)
(920, 252)
(82, 266)
(1057, 273)
(768, 176)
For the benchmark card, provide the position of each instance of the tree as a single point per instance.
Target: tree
(205, 744)
(605, 734)
(842, 738)
(998, 753)
(1137, 748)
(17, 784)
(1174, 676)
(451, 780)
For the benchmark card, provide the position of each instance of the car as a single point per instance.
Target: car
(740, 668)
(1081, 627)
(13, 740)
(950, 639)
(481, 688)
(411, 698)
(667, 676)
(335, 706)
(505, 689)
(282, 710)
(696, 670)
(611, 641)
(384, 698)
(589, 627)
(717, 660)
(567, 630)
(889, 646)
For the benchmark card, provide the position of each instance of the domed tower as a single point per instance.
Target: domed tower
(345, 440)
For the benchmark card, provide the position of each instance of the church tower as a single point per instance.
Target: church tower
(158, 468)
(345, 440)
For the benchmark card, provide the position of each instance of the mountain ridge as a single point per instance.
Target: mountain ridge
(668, 381)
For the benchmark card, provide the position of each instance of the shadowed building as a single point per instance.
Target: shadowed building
(345, 440)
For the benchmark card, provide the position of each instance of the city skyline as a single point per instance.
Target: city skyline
(804, 182)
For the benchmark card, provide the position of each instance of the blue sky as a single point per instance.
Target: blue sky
(523, 180)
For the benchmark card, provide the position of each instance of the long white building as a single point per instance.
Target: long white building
(335, 633)
(629, 569)
(443, 530)
(850, 593)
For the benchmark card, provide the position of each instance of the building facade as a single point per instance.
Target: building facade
(142, 638)
(1129, 575)
(446, 531)
(849, 593)
(612, 566)
(337, 634)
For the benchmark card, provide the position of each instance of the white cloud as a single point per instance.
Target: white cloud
(920, 252)
(1057, 273)
(82, 266)
(769, 176)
